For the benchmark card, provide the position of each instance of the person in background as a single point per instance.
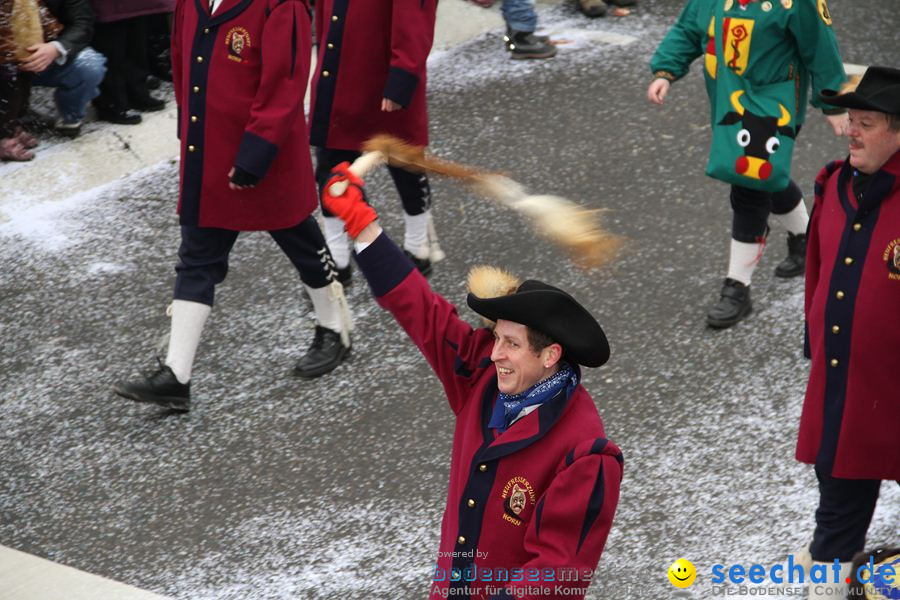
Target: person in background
(767, 41)
(122, 35)
(68, 64)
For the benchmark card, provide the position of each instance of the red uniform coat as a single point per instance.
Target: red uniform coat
(236, 109)
(850, 426)
(541, 495)
(369, 50)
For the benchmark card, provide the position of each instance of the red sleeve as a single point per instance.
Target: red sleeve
(285, 48)
(412, 33)
(454, 350)
(571, 522)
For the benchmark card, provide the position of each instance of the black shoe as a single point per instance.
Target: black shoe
(592, 8)
(325, 353)
(146, 103)
(160, 387)
(733, 305)
(794, 263)
(524, 44)
(622, 3)
(119, 116)
(345, 275)
(507, 38)
(422, 264)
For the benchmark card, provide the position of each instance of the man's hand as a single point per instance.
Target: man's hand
(389, 105)
(242, 180)
(351, 206)
(657, 91)
(42, 56)
(839, 123)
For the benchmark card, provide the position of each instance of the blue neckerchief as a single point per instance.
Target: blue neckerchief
(508, 406)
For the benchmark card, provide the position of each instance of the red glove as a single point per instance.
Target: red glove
(351, 206)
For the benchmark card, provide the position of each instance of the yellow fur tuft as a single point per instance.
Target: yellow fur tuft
(491, 282)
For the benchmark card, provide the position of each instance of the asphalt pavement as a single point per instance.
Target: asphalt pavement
(274, 487)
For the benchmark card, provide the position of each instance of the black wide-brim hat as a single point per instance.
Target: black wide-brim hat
(553, 312)
(879, 90)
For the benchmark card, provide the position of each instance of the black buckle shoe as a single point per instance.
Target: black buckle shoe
(118, 116)
(325, 353)
(524, 44)
(146, 103)
(160, 387)
(794, 263)
(733, 305)
(422, 264)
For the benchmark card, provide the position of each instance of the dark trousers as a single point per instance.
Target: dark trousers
(203, 258)
(751, 209)
(124, 43)
(414, 190)
(15, 88)
(845, 511)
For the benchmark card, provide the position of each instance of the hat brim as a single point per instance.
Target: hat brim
(554, 313)
(884, 101)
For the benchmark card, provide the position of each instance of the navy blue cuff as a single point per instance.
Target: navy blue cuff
(401, 86)
(255, 154)
(384, 265)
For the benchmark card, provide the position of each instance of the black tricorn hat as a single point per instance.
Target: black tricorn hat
(879, 90)
(553, 312)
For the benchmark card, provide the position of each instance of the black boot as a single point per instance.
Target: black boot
(508, 43)
(794, 263)
(524, 44)
(325, 353)
(733, 305)
(160, 387)
(422, 264)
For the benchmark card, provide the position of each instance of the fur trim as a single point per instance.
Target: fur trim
(491, 282)
(851, 84)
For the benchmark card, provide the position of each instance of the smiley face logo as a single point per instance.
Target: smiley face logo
(682, 573)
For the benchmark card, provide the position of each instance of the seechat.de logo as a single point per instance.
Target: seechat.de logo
(682, 573)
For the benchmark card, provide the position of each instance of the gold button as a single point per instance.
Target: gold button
(461, 540)
(334, 18)
(482, 468)
(191, 148)
(848, 261)
(206, 30)
(835, 329)
(330, 46)
(193, 118)
(471, 503)
(326, 74)
(839, 295)
(196, 89)
(199, 59)
(834, 362)
(857, 227)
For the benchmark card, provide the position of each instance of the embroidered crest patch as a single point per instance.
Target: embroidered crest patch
(892, 259)
(237, 39)
(517, 494)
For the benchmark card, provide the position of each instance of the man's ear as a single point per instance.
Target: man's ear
(551, 355)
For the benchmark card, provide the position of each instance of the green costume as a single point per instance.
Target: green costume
(764, 42)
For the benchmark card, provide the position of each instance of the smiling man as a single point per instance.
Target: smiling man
(851, 414)
(534, 482)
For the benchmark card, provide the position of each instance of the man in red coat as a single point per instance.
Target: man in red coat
(371, 79)
(534, 482)
(239, 71)
(850, 426)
